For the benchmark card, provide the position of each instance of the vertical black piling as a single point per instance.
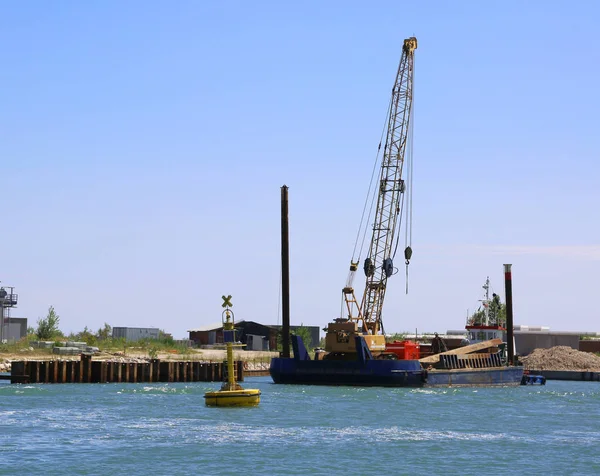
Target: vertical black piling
(509, 314)
(285, 274)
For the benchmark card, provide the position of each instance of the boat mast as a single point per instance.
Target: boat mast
(486, 301)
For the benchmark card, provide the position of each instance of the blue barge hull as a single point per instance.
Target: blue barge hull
(388, 373)
(385, 373)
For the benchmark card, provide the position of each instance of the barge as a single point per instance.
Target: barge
(362, 368)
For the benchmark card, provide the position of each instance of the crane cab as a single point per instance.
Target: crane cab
(340, 338)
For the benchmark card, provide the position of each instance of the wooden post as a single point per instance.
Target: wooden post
(55, 371)
(86, 374)
(72, 369)
(119, 371)
(46, 372)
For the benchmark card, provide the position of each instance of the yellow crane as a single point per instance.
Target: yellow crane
(394, 196)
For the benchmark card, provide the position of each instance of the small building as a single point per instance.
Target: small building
(210, 334)
(15, 328)
(528, 338)
(256, 336)
(133, 334)
(254, 342)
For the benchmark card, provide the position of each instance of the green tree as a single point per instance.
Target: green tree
(47, 328)
(86, 336)
(396, 337)
(496, 315)
(304, 332)
(104, 332)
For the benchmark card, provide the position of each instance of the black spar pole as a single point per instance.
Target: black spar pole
(285, 274)
(509, 314)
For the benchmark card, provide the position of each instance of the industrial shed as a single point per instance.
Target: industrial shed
(528, 338)
(210, 334)
(133, 334)
(15, 328)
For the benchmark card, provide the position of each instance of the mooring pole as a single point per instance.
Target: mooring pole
(285, 274)
(509, 314)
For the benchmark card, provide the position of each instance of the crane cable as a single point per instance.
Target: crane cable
(409, 185)
(409, 173)
(375, 168)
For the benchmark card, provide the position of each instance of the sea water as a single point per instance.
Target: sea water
(105, 429)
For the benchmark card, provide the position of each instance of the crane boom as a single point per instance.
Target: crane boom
(364, 320)
(378, 266)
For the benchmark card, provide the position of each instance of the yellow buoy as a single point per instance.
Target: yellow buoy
(231, 394)
(233, 398)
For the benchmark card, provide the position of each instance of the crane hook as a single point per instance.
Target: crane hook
(407, 257)
(407, 254)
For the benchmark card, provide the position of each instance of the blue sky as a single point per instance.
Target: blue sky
(143, 146)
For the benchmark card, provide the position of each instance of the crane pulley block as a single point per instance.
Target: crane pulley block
(388, 267)
(369, 267)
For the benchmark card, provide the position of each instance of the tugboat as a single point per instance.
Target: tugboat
(231, 394)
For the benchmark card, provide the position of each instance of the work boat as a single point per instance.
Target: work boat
(356, 352)
(489, 321)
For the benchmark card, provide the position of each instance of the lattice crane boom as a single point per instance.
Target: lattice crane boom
(378, 266)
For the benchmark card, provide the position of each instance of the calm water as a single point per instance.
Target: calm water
(166, 429)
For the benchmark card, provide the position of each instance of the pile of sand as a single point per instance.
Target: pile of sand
(561, 358)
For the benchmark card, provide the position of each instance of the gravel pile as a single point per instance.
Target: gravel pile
(561, 358)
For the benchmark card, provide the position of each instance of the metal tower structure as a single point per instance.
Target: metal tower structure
(8, 300)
